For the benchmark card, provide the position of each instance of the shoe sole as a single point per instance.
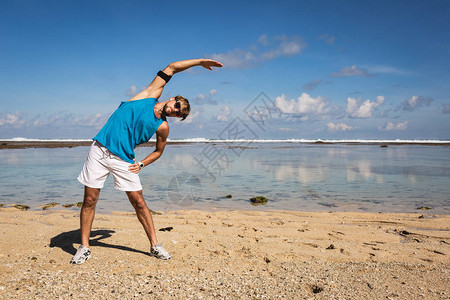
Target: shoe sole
(72, 262)
(153, 255)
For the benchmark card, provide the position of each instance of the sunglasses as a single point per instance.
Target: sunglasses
(177, 105)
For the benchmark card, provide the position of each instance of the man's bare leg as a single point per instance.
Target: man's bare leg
(143, 214)
(87, 213)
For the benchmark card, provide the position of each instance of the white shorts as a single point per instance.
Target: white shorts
(100, 163)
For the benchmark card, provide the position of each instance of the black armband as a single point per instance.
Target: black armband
(164, 76)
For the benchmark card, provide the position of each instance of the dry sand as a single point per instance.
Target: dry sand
(228, 255)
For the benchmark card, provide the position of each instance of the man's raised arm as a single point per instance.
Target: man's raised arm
(154, 90)
(182, 65)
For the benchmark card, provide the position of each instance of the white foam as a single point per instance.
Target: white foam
(205, 140)
(357, 141)
(21, 139)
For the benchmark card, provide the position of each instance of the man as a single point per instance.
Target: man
(112, 152)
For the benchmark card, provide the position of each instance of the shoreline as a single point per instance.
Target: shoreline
(12, 144)
(228, 254)
(75, 207)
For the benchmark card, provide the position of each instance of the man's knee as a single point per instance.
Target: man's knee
(90, 196)
(136, 199)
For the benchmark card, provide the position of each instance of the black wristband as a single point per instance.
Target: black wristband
(164, 76)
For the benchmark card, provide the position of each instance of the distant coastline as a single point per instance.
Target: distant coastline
(22, 143)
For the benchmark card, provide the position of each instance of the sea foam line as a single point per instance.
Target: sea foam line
(205, 140)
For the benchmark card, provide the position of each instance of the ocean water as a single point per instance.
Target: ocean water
(292, 175)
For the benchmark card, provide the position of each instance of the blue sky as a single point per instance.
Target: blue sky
(330, 69)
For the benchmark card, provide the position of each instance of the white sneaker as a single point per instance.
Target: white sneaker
(82, 255)
(159, 252)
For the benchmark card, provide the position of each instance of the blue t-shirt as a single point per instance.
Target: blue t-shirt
(133, 123)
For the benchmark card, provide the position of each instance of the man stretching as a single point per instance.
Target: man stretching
(112, 152)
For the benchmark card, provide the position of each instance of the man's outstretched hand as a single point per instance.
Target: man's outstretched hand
(209, 63)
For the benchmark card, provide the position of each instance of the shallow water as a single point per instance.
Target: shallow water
(307, 177)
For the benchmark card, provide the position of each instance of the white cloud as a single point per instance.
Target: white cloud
(12, 120)
(265, 49)
(263, 40)
(351, 71)
(224, 113)
(415, 102)
(97, 120)
(445, 108)
(287, 47)
(206, 99)
(235, 59)
(339, 127)
(305, 104)
(327, 38)
(60, 120)
(285, 129)
(311, 85)
(64, 119)
(387, 70)
(132, 90)
(355, 109)
(389, 126)
(304, 118)
(192, 116)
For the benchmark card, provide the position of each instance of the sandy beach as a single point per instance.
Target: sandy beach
(228, 255)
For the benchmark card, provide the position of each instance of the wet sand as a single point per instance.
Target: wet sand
(228, 254)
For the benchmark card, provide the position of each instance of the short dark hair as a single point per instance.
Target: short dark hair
(185, 106)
